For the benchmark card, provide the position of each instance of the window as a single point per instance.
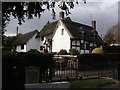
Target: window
(82, 46)
(82, 41)
(42, 38)
(22, 46)
(41, 48)
(62, 32)
(87, 46)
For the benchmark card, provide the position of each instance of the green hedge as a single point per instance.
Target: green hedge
(98, 61)
(73, 51)
(62, 52)
(15, 63)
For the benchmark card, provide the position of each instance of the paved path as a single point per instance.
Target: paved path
(53, 85)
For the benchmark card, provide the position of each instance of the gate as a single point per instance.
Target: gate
(66, 67)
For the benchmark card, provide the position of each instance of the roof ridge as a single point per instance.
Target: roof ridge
(82, 24)
(22, 39)
(57, 21)
(31, 31)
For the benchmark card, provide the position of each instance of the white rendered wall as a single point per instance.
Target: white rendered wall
(60, 41)
(34, 43)
(18, 48)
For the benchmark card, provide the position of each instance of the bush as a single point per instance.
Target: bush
(73, 51)
(90, 61)
(13, 66)
(33, 51)
(98, 61)
(97, 50)
(62, 52)
(53, 53)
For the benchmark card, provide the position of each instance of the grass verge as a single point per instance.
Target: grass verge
(90, 83)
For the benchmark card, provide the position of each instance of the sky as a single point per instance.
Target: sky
(105, 14)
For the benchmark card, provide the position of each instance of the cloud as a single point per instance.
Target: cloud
(105, 13)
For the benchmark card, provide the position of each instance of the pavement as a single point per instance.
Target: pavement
(53, 85)
(66, 85)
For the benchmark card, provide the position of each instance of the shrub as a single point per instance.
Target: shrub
(53, 53)
(73, 51)
(20, 61)
(97, 50)
(33, 51)
(62, 52)
(98, 61)
(90, 61)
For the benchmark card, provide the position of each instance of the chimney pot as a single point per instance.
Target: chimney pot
(17, 31)
(94, 24)
(61, 15)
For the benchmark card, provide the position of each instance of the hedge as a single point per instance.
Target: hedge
(73, 51)
(98, 61)
(13, 67)
(62, 52)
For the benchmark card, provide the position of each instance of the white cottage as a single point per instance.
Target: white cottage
(27, 41)
(61, 34)
(65, 34)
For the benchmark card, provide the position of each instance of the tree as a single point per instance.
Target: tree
(8, 41)
(112, 35)
(20, 10)
(73, 51)
(63, 52)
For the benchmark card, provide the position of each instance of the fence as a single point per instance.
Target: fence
(67, 68)
(44, 69)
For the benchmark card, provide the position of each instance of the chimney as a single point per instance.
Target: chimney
(61, 15)
(94, 24)
(17, 32)
(48, 22)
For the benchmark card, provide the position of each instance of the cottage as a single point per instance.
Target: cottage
(65, 34)
(27, 41)
(61, 34)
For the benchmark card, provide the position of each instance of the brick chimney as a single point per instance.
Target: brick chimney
(61, 15)
(94, 24)
(17, 32)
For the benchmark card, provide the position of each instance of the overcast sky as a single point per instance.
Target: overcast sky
(105, 14)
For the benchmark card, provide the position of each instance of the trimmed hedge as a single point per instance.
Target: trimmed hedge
(98, 61)
(63, 52)
(73, 51)
(112, 49)
(14, 64)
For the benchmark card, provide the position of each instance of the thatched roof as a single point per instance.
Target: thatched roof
(74, 29)
(24, 38)
(48, 30)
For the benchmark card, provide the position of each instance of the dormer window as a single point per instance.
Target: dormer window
(62, 32)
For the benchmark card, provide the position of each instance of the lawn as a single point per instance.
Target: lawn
(90, 83)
